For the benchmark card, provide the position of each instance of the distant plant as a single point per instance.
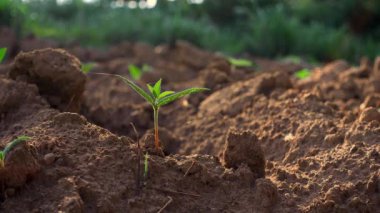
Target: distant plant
(156, 99)
(135, 72)
(3, 51)
(302, 74)
(9, 147)
(240, 62)
(87, 67)
(291, 59)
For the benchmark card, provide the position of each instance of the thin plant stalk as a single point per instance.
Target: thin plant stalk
(156, 138)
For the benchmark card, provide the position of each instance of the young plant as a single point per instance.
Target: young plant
(87, 67)
(3, 51)
(302, 74)
(146, 165)
(9, 147)
(135, 72)
(240, 62)
(156, 99)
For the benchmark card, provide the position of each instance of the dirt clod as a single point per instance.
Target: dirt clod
(57, 75)
(370, 114)
(49, 158)
(243, 147)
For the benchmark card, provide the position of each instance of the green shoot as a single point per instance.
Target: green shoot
(157, 98)
(135, 72)
(146, 68)
(3, 51)
(292, 59)
(240, 62)
(9, 147)
(87, 67)
(146, 165)
(303, 74)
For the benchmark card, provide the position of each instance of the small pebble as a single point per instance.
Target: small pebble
(49, 158)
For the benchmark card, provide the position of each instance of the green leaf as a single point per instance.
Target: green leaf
(3, 51)
(146, 68)
(177, 95)
(240, 62)
(302, 74)
(157, 88)
(135, 72)
(14, 143)
(87, 67)
(1, 156)
(137, 89)
(164, 94)
(151, 90)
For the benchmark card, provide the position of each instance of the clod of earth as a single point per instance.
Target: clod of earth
(57, 75)
(242, 147)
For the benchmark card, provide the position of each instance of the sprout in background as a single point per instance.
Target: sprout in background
(240, 62)
(3, 52)
(303, 74)
(136, 73)
(87, 67)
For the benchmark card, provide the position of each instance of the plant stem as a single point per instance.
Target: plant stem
(156, 139)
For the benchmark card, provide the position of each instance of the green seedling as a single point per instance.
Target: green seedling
(303, 74)
(240, 62)
(146, 165)
(9, 147)
(156, 99)
(87, 67)
(135, 72)
(3, 51)
(292, 59)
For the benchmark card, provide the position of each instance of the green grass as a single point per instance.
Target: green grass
(310, 29)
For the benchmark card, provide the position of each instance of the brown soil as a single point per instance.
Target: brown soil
(259, 141)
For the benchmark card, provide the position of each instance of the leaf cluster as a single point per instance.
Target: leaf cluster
(158, 98)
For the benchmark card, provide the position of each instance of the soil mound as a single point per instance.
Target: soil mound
(57, 75)
(309, 145)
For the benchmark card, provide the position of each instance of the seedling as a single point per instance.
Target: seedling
(146, 165)
(3, 51)
(135, 72)
(156, 99)
(302, 74)
(87, 67)
(9, 147)
(292, 59)
(240, 62)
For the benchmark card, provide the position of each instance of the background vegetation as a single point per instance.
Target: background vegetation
(318, 29)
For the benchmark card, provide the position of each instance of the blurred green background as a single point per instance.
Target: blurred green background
(314, 29)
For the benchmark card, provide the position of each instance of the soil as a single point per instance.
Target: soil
(259, 141)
